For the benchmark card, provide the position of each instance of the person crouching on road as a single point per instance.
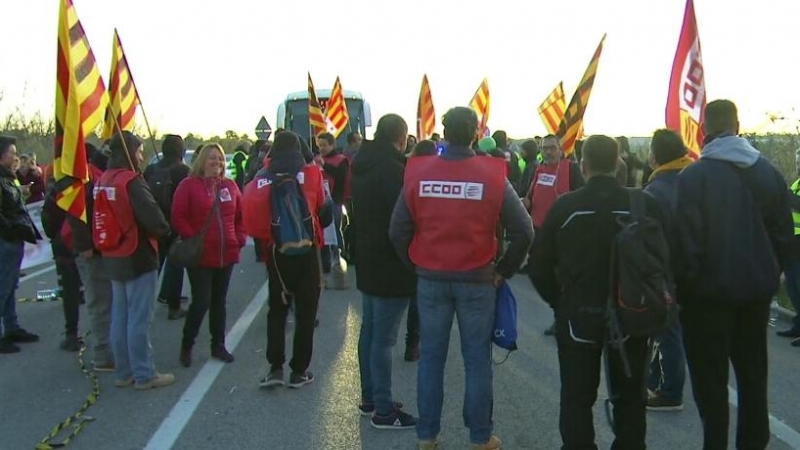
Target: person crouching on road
(206, 200)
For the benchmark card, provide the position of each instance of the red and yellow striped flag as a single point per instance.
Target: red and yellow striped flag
(316, 118)
(80, 101)
(337, 110)
(481, 103)
(552, 109)
(572, 125)
(124, 98)
(426, 115)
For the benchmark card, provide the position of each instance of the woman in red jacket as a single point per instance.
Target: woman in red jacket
(207, 196)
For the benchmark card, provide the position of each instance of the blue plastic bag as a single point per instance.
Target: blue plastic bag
(504, 333)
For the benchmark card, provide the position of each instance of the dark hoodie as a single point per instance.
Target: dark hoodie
(149, 218)
(377, 183)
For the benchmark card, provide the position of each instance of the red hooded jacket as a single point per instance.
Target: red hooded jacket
(191, 206)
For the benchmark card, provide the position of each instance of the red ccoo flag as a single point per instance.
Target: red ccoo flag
(124, 98)
(316, 118)
(686, 101)
(80, 101)
(426, 115)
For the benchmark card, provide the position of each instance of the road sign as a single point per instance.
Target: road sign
(263, 130)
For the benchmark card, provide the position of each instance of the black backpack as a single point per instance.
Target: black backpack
(641, 299)
(160, 181)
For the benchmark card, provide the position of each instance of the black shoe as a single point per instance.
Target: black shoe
(221, 353)
(796, 342)
(176, 314)
(793, 333)
(186, 356)
(6, 347)
(21, 336)
(72, 343)
(297, 380)
(658, 402)
(397, 420)
(412, 353)
(273, 379)
(551, 330)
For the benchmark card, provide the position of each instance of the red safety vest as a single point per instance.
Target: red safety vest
(455, 206)
(549, 183)
(257, 207)
(115, 182)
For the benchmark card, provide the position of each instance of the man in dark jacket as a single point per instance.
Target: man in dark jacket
(514, 172)
(445, 224)
(163, 178)
(571, 258)
(386, 284)
(668, 368)
(735, 234)
(16, 228)
(792, 271)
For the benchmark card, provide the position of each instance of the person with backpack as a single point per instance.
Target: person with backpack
(385, 282)
(444, 224)
(163, 178)
(336, 170)
(209, 204)
(571, 270)
(735, 236)
(285, 210)
(126, 226)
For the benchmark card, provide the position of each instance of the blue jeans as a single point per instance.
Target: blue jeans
(474, 305)
(668, 367)
(11, 254)
(380, 323)
(131, 314)
(792, 274)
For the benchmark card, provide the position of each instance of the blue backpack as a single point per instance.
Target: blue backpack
(292, 223)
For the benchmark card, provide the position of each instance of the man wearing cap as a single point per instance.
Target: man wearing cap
(444, 223)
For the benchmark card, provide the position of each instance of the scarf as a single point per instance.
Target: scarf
(676, 164)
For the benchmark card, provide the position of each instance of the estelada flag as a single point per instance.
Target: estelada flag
(686, 101)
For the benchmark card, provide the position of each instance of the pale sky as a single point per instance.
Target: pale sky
(206, 66)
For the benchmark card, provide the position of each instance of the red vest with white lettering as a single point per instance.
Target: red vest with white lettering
(549, 183)
(455, 206)
(335, 160)
(115, 182)
(257, 206)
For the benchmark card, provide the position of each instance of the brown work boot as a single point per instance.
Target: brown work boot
(160, 380)
(493, 444)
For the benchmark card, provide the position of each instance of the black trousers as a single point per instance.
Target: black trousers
(715, 333)
(209, 292)
(580, 377)
(301, 275)
(172, 281)
(69, 281)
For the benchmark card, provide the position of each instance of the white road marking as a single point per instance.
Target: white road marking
(37, 273)
(776, 426)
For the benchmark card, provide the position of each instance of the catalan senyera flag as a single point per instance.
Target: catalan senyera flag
(572, 125)
(337, 110)
(481, 103)
(316, 118)
(81, 100)
(686, 100)
(123, 96)
(552, 109)
(426, 115)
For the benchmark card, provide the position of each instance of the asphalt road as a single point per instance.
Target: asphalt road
(221, 406)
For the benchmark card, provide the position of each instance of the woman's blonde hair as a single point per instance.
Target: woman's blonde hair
(198, 167)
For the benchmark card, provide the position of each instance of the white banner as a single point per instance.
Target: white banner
(41, 252)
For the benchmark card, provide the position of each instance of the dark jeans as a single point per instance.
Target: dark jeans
(668, 367)
(580, 377)
(69, 280)
(209, 291)
(302, 278)
(792, 274)
(716, 333)
(412, 323)
(172, 281)
(11, 253)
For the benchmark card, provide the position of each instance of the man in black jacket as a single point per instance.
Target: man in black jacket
(735, 234)
(385, 282)
(570, 259)
(16, 228)
(163, 178)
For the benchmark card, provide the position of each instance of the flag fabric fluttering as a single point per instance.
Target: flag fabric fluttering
(481, 104)
(572, 125)
(552, 109)
(426, 114)
(686, 100)
(81, 100)
(123, 96)
(316, 118)
(337, 115)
